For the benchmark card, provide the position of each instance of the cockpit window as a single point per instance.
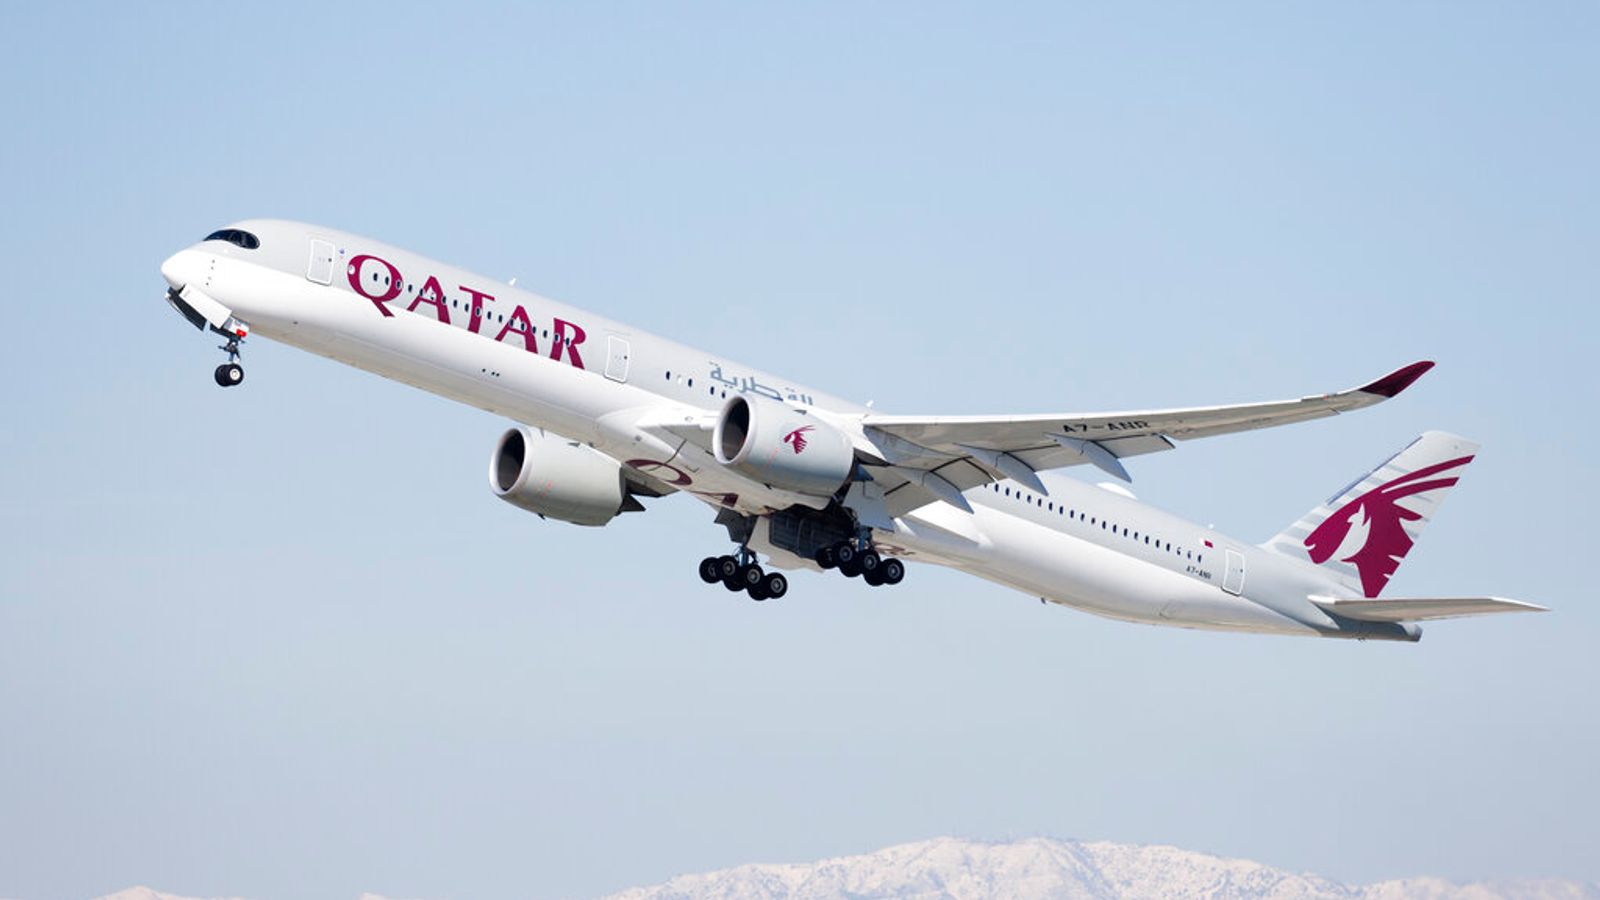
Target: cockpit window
(235, 237)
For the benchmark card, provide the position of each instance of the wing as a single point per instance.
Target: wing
(926, 458)
(1416, 609)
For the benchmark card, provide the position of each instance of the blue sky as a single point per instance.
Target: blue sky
(282, 641)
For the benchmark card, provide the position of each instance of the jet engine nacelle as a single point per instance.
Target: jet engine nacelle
(782, 447)
(550, 475)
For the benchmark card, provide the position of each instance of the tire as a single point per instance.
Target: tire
(728, 572)
(892, 571)
(827, 558)
(751, 575)
(870, 561)
(873, 577)
(850, 569)
(776, 585)
(845, 554)
(758, 591)
(708, 570)
(228, 374)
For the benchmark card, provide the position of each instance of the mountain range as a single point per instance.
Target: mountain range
(1040, 868)
(1046, 869)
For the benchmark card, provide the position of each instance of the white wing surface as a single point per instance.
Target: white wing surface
(927, 458)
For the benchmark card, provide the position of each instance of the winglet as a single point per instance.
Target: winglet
(1398, 380)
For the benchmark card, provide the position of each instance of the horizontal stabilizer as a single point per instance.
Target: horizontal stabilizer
(1416, 609)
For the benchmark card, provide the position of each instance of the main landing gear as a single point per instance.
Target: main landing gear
(230, 373)
(741, 573)
(855, 557)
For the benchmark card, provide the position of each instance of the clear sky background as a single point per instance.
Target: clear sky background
(282, 642)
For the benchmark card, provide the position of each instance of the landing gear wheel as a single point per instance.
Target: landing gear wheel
(758, 592)
(845, 554)
(874, 577)
(775, 585)
(850, 569)
(708, 570)
(892, 571)
(728, 573)
(827, 557)
(750, 576)
(229, 374)
(869, 562)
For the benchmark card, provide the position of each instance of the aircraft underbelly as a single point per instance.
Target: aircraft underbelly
(1075, 572)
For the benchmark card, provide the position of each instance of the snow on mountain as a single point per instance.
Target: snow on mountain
(1039, 868)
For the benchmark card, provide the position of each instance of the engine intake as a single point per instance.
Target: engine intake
(782, 447)
(547, 474)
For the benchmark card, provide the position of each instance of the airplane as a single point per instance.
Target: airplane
(608, 414)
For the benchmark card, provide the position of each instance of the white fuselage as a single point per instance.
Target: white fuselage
(591, 379)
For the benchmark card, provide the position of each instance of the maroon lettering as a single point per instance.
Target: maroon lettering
(519, 324)
(475, 319)
(432, 294)
(391, 285)
(569, 345)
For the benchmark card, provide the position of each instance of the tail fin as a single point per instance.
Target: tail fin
(1365, 530)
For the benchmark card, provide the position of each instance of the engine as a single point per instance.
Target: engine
(547, 474)
(782, 447)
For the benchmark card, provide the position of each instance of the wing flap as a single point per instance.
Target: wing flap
(1417, 609)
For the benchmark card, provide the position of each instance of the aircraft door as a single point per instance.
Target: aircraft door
(616, 358)
(1233, 578)
(320, 268)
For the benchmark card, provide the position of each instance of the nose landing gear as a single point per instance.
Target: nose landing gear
(230, 373)
(214, 316)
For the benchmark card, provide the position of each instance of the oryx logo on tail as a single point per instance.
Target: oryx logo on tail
(797, 437)
(1369, 531)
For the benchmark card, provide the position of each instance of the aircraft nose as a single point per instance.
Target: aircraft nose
(181, 268)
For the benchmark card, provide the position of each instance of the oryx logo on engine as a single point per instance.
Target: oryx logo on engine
(797, 438)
